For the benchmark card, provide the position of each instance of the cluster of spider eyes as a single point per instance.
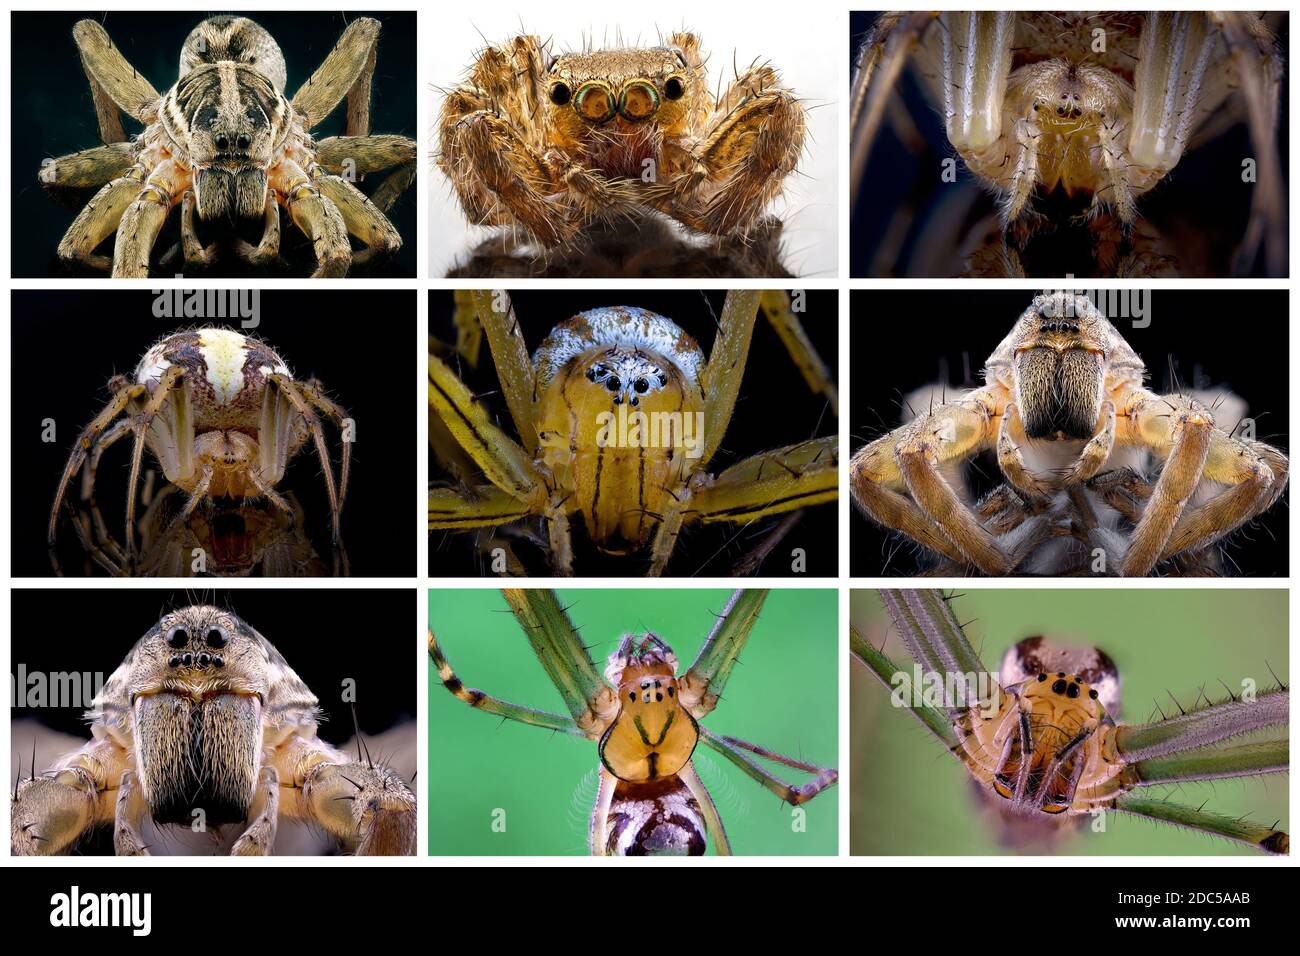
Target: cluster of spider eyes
(1070, 688)
(562, 93)
(1050, 326)
(600, 372)
(647, 686)
(180, 638)
(222, 142)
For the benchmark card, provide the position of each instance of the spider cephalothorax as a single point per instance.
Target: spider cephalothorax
(1065, 411)
(206, 721)
(226, 144)
(551, 144)
(222, 414)
(619, 414)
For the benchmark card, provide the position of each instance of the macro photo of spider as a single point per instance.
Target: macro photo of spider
(206, 740)
(1063, 461)
(1093, 144)
(1044, 762)
(620, 157)
(616, 463)
(224, 150)
(646, 713)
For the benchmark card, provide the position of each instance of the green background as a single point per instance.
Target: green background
(909, 797)
(783, 695)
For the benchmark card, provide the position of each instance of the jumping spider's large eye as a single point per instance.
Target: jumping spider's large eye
(674, 89)
(561, 94)
(179, 637)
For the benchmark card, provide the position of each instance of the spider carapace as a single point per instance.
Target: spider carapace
(1047, 747)
(653, 735)
(619, 419)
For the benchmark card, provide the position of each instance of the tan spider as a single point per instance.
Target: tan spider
(618, 415)
(1101, 106)
(1063, 406)
(205, 720)
(549, 144)
(222, 414)
(225, 143)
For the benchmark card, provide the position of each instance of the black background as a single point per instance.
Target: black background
(1201, 206)
(67, 344)
(774, 408)
(904, 340)
(53, 114)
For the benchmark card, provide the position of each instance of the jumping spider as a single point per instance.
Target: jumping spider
(222, 414)
(1064, 408)
(225, 143)
(1101, 106)
(206, 715)
(550, 145)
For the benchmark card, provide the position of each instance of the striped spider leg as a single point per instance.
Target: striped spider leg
(1042, 742)
(633, 489)
(223, 416)
(1065, 386)
(1032, 104)
(645, 719)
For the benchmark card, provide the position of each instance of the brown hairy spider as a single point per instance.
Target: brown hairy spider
(1064, 407)
(225, 143)
(223, 415)
(206, 715)
(552, 144)
(1100, 105)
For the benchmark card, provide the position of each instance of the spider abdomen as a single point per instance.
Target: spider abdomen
(656, 819)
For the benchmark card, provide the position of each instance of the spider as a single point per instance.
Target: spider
(1064, 409)
(223, 416)
(618, 414)
(550, 144)
(1069, 118)
(1041, 741)
(205, 719)
(224, 143)
(646, 721)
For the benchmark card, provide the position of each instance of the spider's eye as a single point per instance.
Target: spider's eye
(178, 637)
(641, 385)
(222, 142)
(217, 638)
(674, 89)
(1058, 687)
(613, 383)
(243, 142)
(561, 94)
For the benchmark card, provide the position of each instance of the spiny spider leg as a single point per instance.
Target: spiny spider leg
(819, 376)
(496, 315)
(700, 688)
(1200, 821)
(495, 705)
(1199, 728)
(712, 818)
(885, 670)
(289, 388)
(735, 750)
(346, 70)
(114, 83)
(1214, 763)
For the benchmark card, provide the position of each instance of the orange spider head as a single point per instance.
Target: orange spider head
(1059, 362)
(654, 735)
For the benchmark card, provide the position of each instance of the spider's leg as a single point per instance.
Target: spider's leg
(737, 751)
(560, 538)
(143, 219)
(128, 814)
(495, 705)
(501, 459)
(1184, 432)
(590, 699)
(886, 671)
(598, 826)
(1010, 461)
(1124, 490)
(819, 377)
(99, 219)
(361, 802)
(114, 83)
(1191, 818)
(292, 392)
(88, 169)
(709, 809)
(86, 442)
(191, 247)
(1201, 728)
(361, 217)
(318, 218)
(721, 376)
(909, 459)
(1212, 763)
(53, 810)
(931, 632)
(452, 509)
(750, 145)
(171, 383)
(347, 71)
(268, 247)
(258, 837)
(354, 157)
(880, 63)
(496, 316)
(198, 494)
(700, 688)
(773, 482)
(313, 392)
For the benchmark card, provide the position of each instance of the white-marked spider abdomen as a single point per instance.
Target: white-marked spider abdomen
(656, 819)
